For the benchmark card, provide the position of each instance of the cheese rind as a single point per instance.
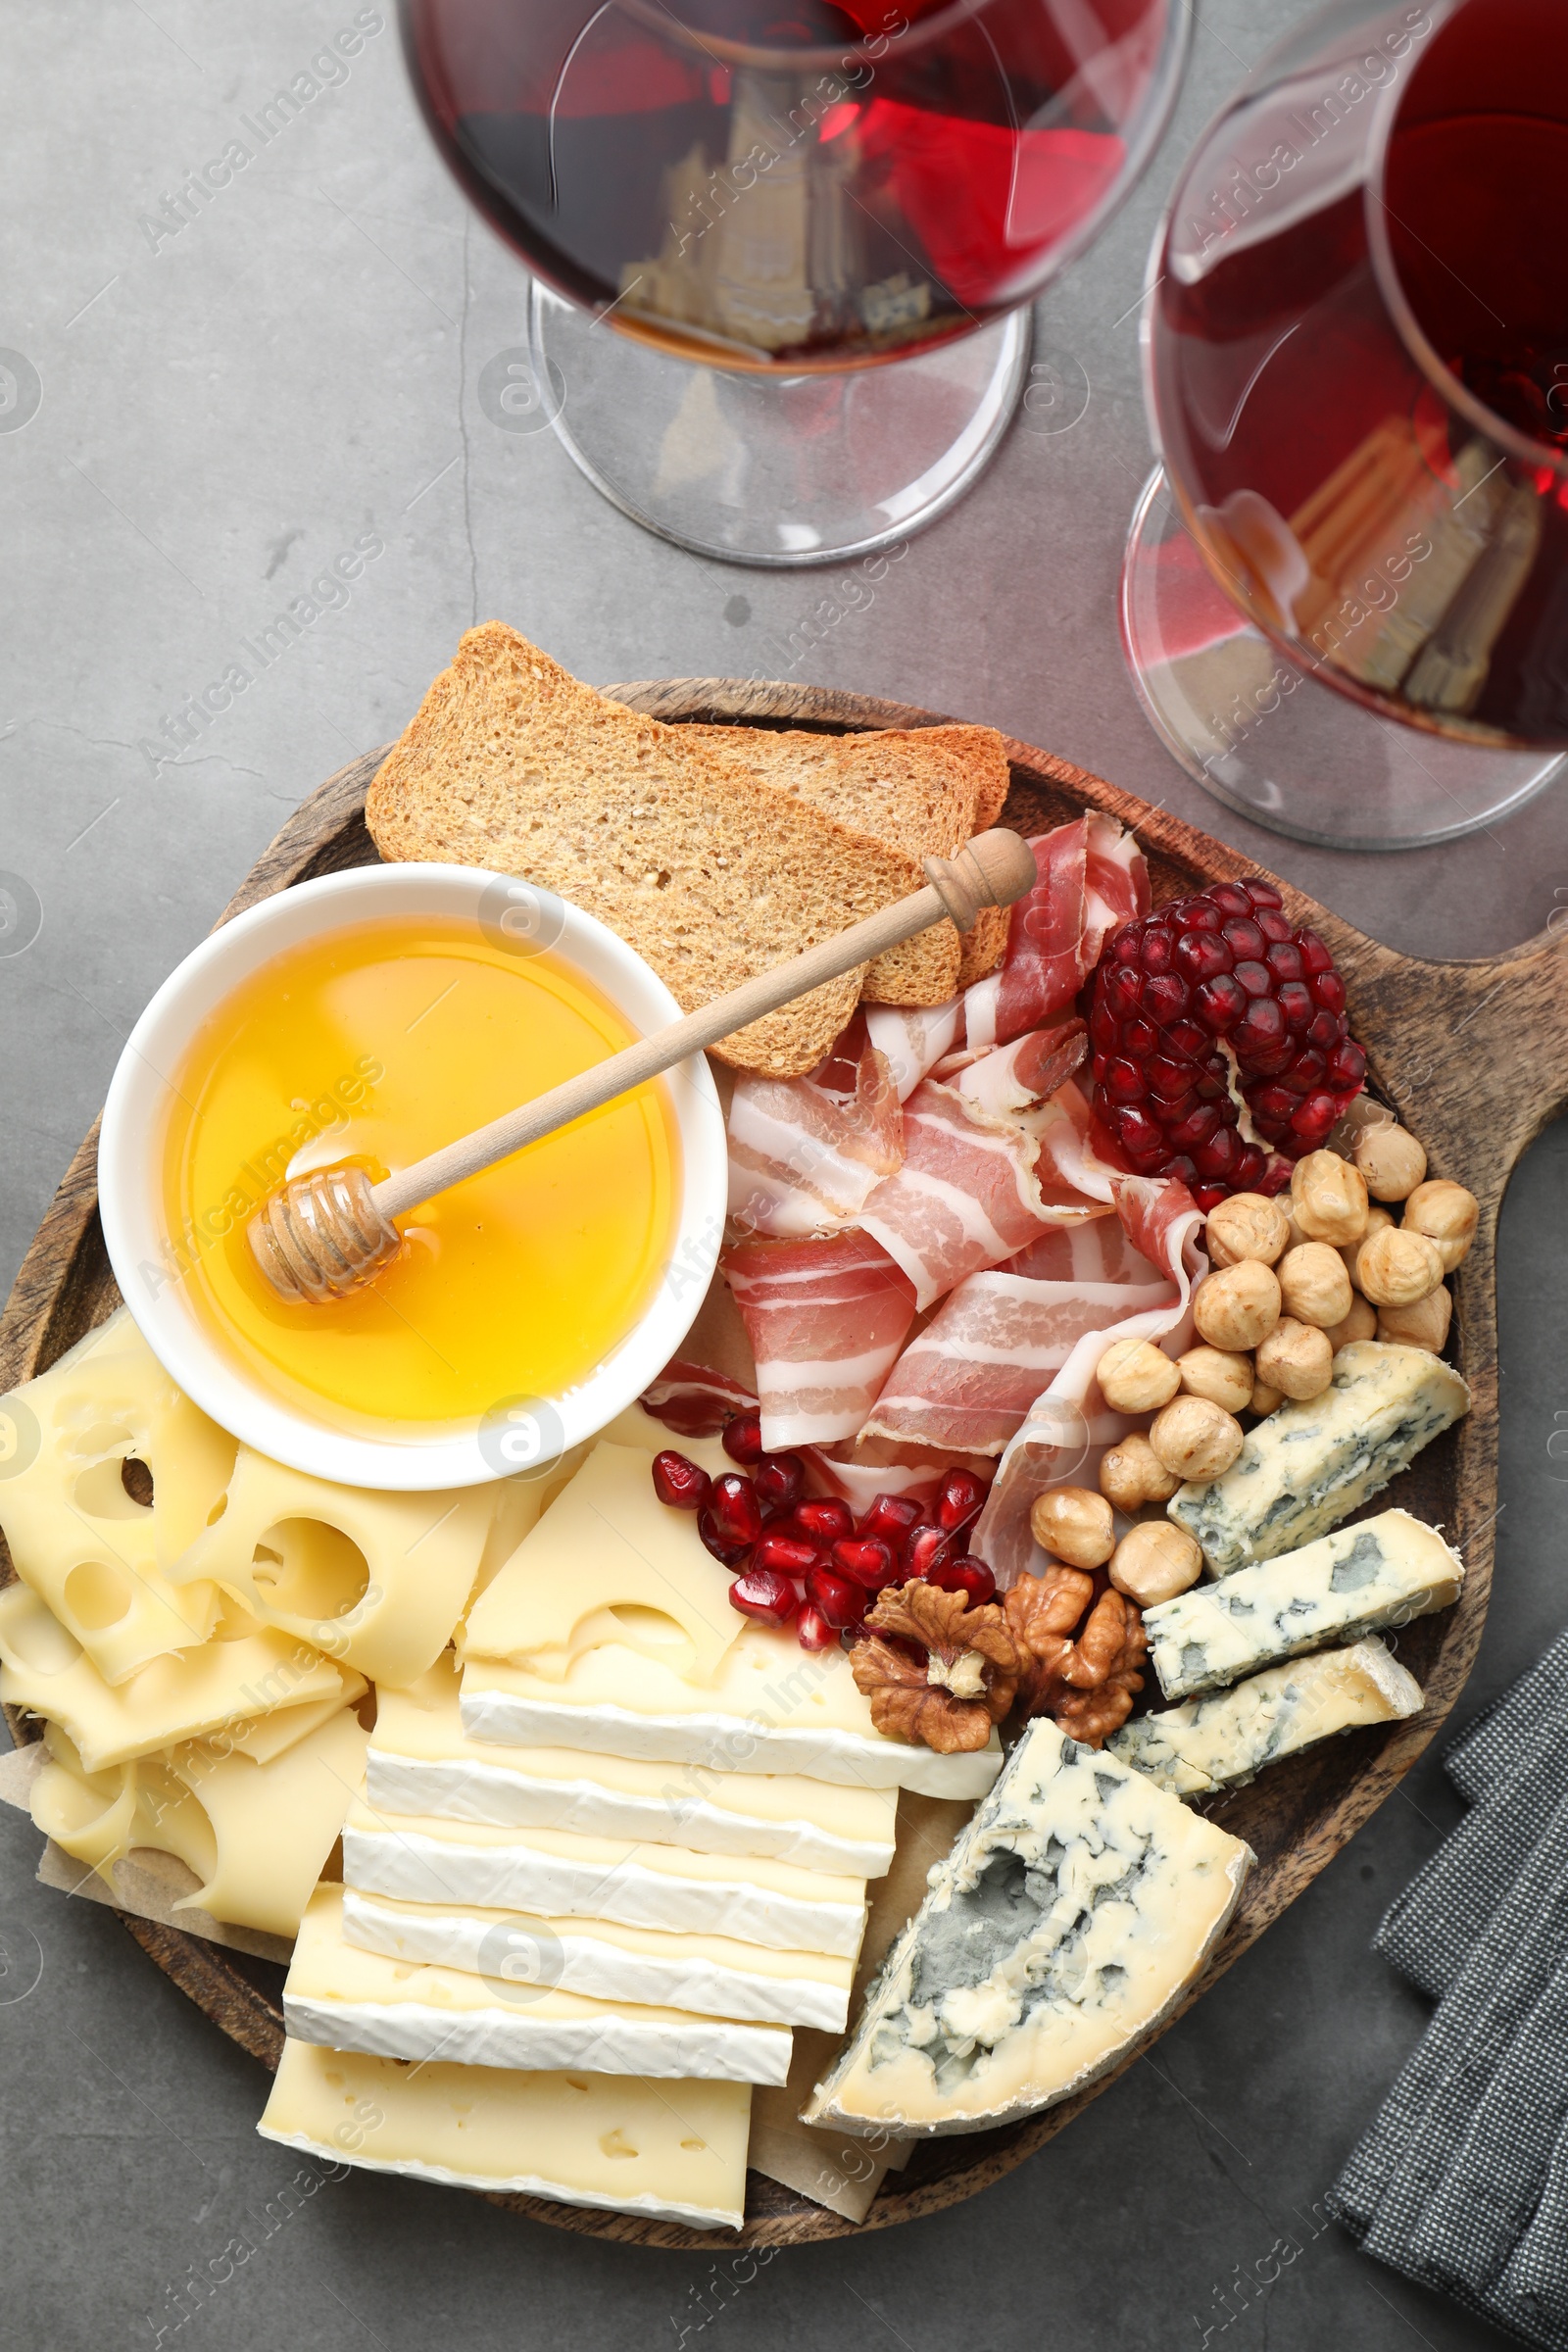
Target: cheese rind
(420, 1761)
(772, 1709)
(351, 1999)
(1227, 1737)
(1314, 1462)
(1382, 1571)
(713, 1976)
(1059, 1933)
(626, 2147)
(558, 1871)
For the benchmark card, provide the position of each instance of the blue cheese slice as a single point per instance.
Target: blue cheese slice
(713, 1974)
(1059, 1933)
(1226, 1738)
(1311, 1464)
(607, 2141)
(1381, 1572)
(351, 1999)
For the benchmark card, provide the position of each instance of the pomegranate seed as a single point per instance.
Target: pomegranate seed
(825, 1517)
(927, 1548)
(788, 1556)
(838, 1599)
(1164, 997)
(742, 1440)
(813, 1632)
(1285, 963)
(1182, 1168)
(1216, 1158)
(1296, 1002)
(1160, 950)
(1166, 1078)
(1273, 1102)
(1261, 893)
(1210, 1196)
(1197, 915)
(680, 1483)
(1312, 1122)
(867, 1560)
(766, 1594)
(1248, 1170)
(1274, 1179)
(1329, 990)
(1124, 1081)
(1213, 1082)
(1314, 955)
(1103, 1033)
(891, 1516)
(1305, 1072)
(734, 1509)
(1140, 1037)
(1201, 956)
(1261, 1026)
(1323, 1030)
(718, 1543)
(1120, 988)
(1197, 1128)
(1244, 938)
(959, 1498)
(779, 1480)
(1122, 947)
(1185, 1041)
(1347, 1066)
(1221, 1003)
(1228, 897)
(972, 1577)
(1256, 979)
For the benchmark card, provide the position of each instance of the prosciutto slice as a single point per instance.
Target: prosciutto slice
(806, 1154)
(912, 1039)
(1069, 1425)
(693, 1401)
(966, 1382)
(826, 1318)
(1117, 884)
(966, 1196)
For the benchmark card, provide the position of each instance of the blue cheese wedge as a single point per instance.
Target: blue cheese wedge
(1059, 1933)
(1384, 1571)
(1311, 1464)
(1221, 1740)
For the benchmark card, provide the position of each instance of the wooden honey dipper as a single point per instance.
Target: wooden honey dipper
(325, 1233)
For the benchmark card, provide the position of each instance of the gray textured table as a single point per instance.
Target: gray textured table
(220, 417)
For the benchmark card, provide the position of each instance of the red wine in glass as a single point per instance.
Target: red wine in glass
(1358, 348)
(793, 185)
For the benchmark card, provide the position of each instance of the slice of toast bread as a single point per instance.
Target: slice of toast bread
(711, 874)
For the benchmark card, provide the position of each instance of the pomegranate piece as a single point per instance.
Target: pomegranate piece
(1225, 963)
(868, 1559)
(716, 1541)
(780, 1482)
(825, 1517)
(766, 1594)
(812, 1630)
(734, 1509)
(787, 1555)
(959, 1497)
(680, 1483)
(927, 1548)
(742, 1440)
(890, 1517)
(839, 1599)
(969, 1576)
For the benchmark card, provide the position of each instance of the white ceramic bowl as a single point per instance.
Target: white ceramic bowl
(130, 1178)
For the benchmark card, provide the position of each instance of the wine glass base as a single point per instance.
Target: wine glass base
(779, 471)
(1274, 743)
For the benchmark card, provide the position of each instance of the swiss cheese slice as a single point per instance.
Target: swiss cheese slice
(420, 1761)
(353, 1999)
(191, 1694)
(578, 2138)
(1057, 1935)
(713, 1974)
(562, 1871)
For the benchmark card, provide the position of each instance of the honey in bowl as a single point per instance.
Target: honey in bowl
(380, 1042)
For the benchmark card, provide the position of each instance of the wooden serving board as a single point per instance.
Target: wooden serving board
(1474, 1057)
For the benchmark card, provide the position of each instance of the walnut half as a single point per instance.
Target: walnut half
(962, 1681)
(1085, 1685)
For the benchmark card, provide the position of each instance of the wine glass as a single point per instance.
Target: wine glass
(1355, 339)
(739, 211)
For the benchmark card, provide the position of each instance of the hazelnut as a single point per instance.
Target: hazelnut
(1073, 1525)
(1391, 1161)
(1315, 1285)
(1265, 1400)
(1328, 1198)
(1247, 1225)
(1377, 1221)
(1216, 1373)
(1424, 1325)
(1296, 1358)
(1239, 1305)
(1137, 1377)
(1196, 1439)
(1132, 1474)
(1155, 1562)
(1395, 1268)
(1447, 1215)
(1361, 1323)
